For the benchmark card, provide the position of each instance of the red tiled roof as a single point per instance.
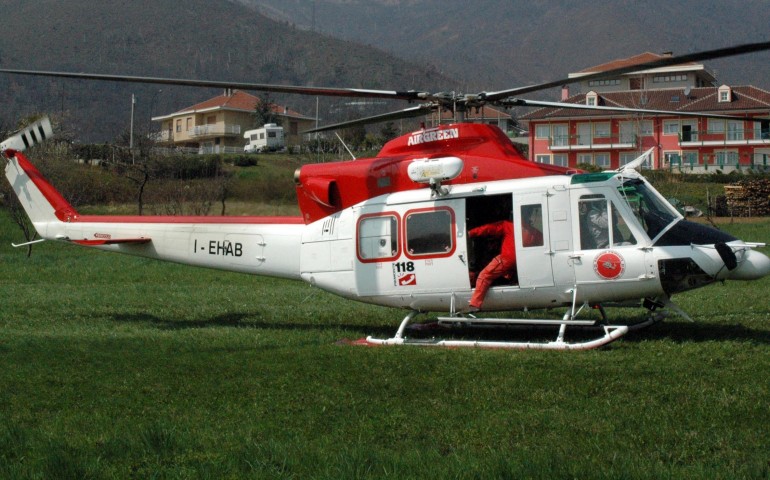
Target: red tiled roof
(627, 62)
(239, 100)
(745, 99)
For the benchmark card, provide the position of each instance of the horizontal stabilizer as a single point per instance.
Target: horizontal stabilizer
(110, 241)
(29, 136)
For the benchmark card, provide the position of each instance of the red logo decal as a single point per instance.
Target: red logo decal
(609, 265)
(406, 279)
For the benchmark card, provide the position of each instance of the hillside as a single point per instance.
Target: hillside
(217, 40)
(494, 44)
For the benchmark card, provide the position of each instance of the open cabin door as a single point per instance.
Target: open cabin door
(532, 236)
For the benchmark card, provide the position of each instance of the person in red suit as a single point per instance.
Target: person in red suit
(503, 262)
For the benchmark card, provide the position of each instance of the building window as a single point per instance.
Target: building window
(734, 130)
(189, 124)
(725, 94)
(179, 125)
(602, 160)
(543, 158)
(716, 126)
(645, 128)
(560, 136)
(604, 83)
(542, 131)
(584, 134)
(672, 158)
(669, 78)
(671, 127)
(560, 160)
(627, 132)
(626, 158)
(585, 158)
(592, 99)
(601, 130)
(726, 158)
(690, 159)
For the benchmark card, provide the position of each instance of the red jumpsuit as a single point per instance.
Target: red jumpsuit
(505, 261)
(499, 265)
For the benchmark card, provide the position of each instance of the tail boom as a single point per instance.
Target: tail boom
(257, 245)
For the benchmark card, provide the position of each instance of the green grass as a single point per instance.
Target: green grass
(117, 367)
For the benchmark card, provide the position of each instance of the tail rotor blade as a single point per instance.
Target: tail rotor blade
(33, 134)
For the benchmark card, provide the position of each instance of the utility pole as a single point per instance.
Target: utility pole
(131, 129)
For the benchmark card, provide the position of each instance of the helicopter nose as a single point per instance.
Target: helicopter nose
(754, 266)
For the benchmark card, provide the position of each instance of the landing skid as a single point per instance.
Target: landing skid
(610, 333)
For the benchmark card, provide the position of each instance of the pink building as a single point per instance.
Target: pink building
(569, 137)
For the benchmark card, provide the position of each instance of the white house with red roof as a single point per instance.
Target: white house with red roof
(570, 137)
(217, 125)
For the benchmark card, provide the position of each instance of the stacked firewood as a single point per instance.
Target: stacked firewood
(748, 198)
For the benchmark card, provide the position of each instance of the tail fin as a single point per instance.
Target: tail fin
(42, 202)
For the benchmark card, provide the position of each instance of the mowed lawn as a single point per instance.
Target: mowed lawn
(118, 367)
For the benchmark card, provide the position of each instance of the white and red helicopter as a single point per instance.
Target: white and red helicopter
(393, 230)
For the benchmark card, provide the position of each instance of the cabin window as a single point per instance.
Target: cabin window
(532, 225)
(430, 232)
(378, 238)
(601, 225)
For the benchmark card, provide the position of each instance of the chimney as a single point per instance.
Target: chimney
(285, 110)
(564, 92)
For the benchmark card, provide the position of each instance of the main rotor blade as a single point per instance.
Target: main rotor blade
(263, 87)
(662, 62)
(577, 106)
(406, 113)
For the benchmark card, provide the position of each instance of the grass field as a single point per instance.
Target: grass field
(117, 367)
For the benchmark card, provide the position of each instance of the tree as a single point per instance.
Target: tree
(263, 112)
(388, 132)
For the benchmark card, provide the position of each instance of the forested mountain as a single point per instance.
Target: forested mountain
(495, 44)
(204, 39)
(439, 45)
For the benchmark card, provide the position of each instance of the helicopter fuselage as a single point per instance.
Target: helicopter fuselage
(411, 248)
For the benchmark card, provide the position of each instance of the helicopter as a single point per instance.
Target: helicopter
(396, 230)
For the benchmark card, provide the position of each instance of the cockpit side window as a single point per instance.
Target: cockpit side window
(601, 225)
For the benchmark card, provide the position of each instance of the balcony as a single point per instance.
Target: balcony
(586, 142)
(214, 130)
(731, 137)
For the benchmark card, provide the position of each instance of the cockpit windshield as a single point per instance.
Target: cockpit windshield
(651, 210)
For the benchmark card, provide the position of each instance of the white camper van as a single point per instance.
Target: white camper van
(269, 138)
